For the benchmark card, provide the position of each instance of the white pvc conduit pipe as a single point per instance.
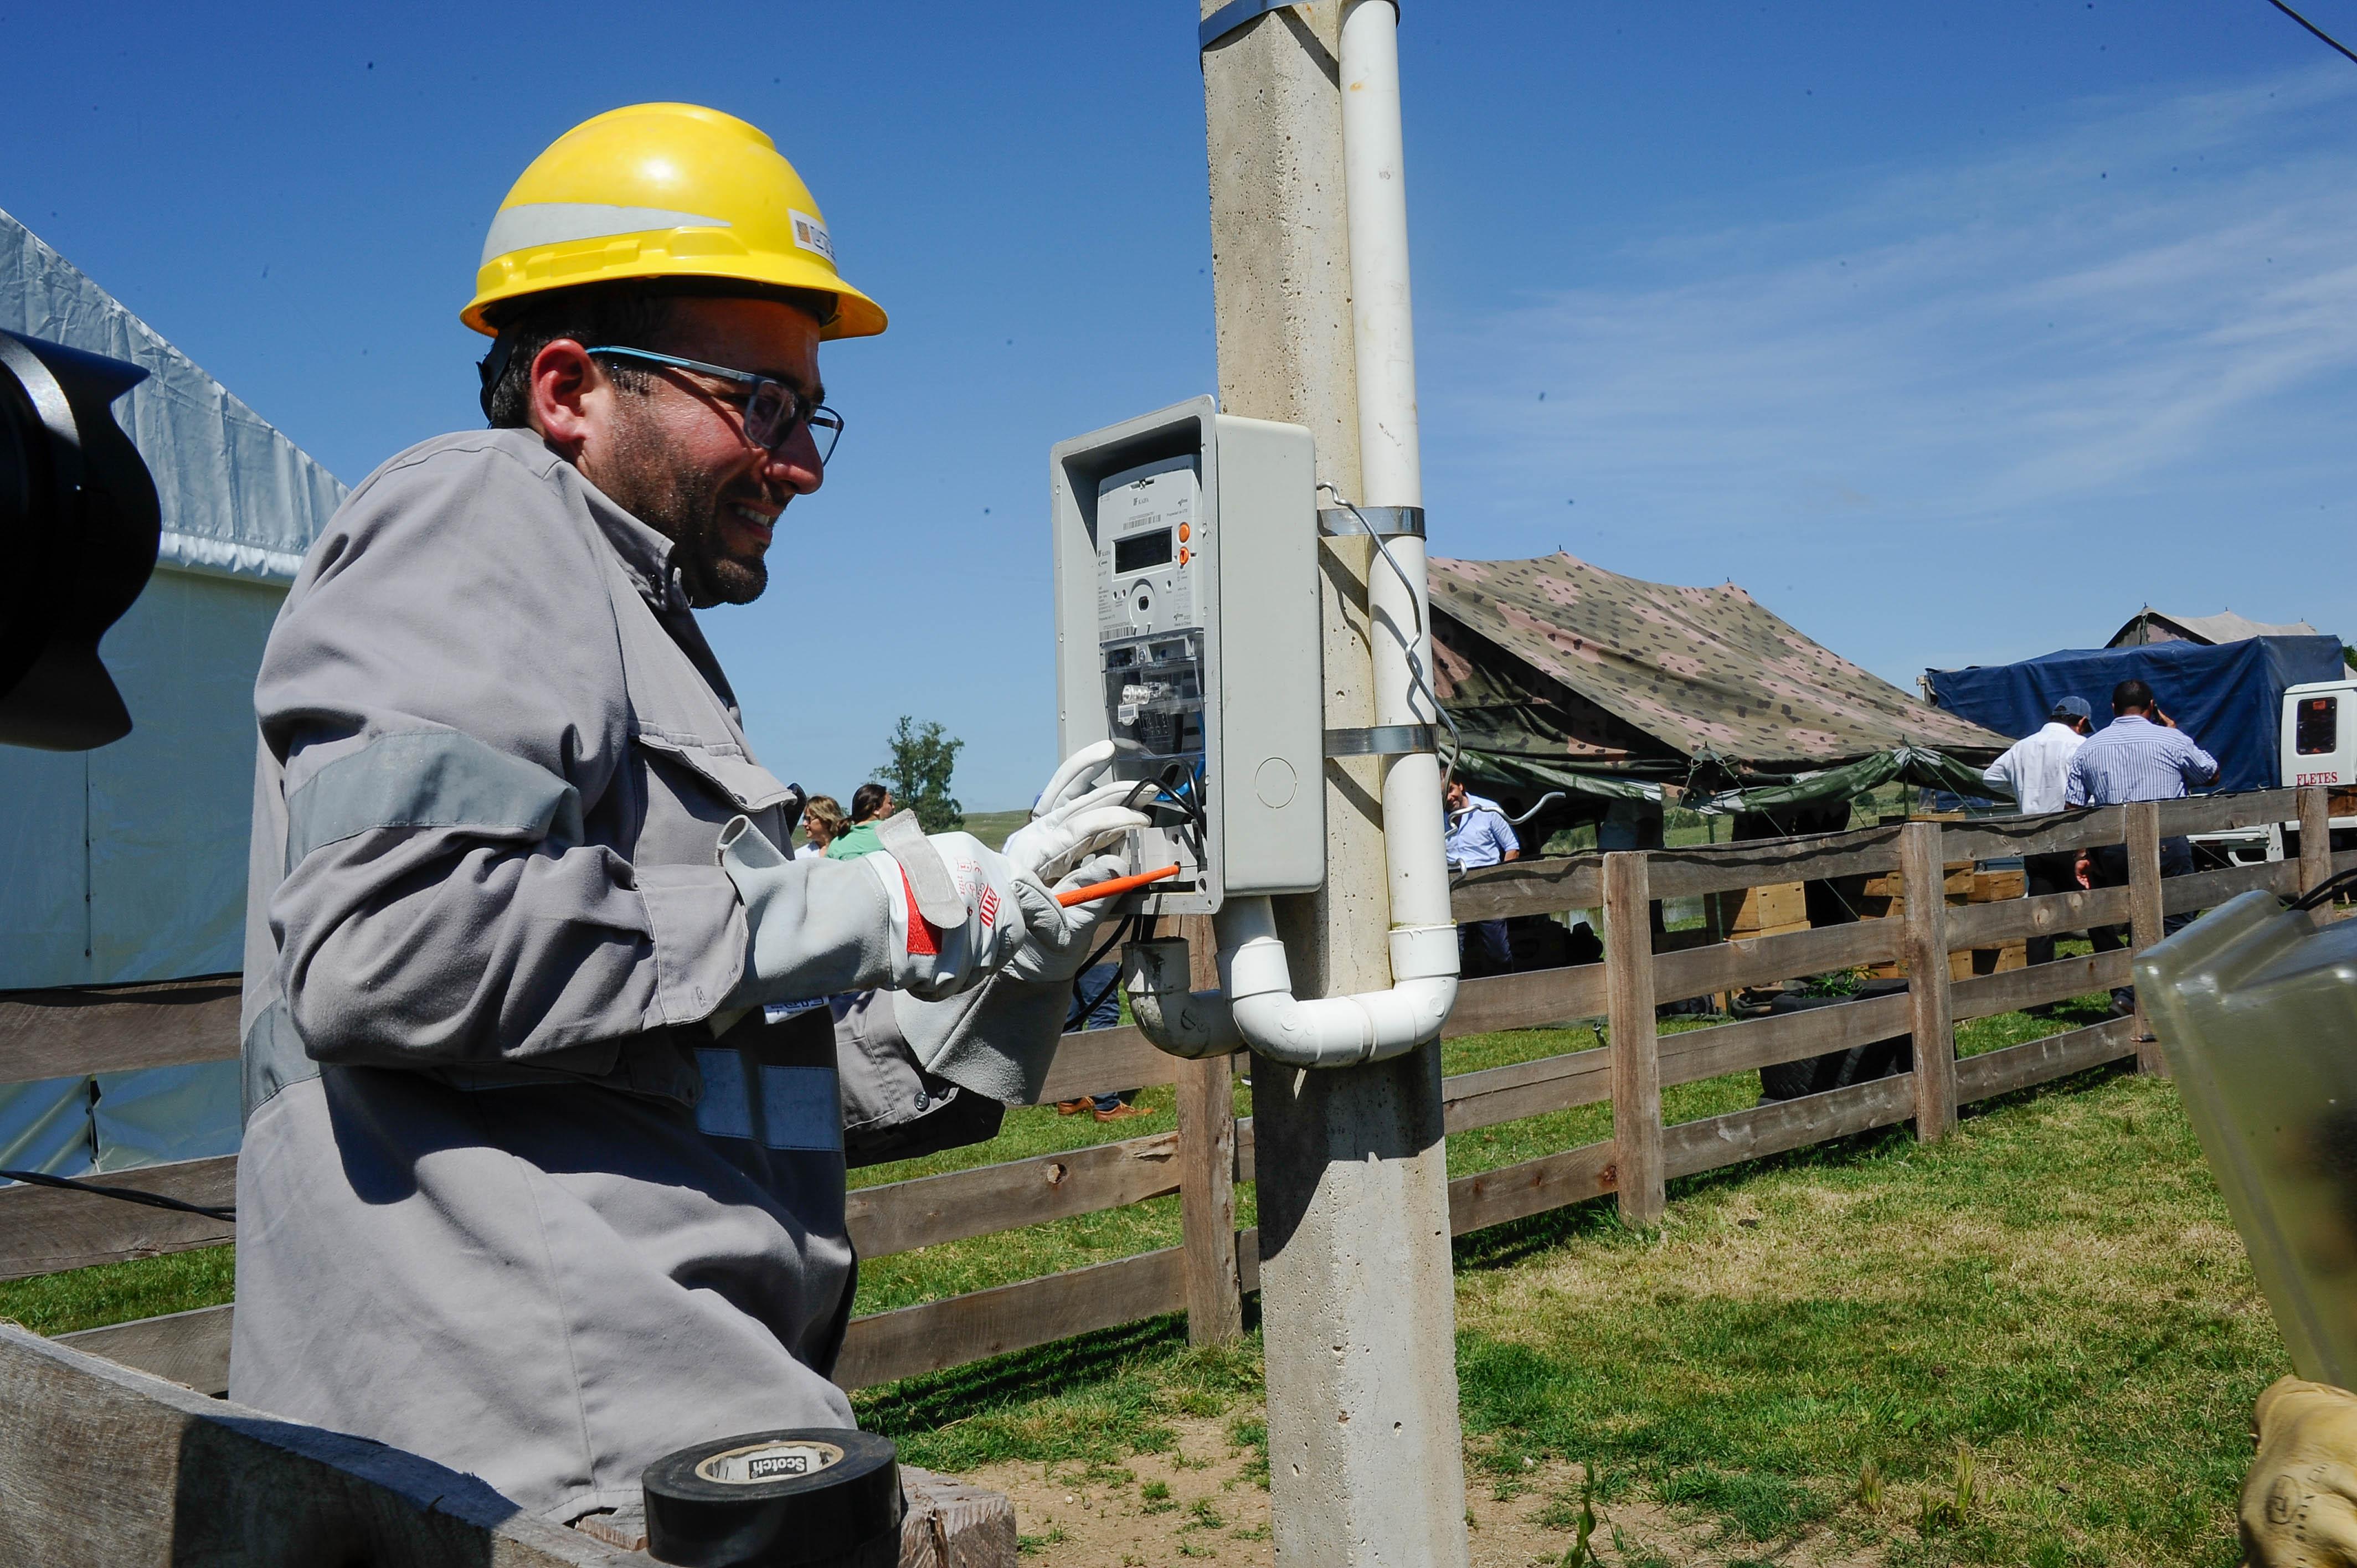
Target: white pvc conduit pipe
(1258, 987)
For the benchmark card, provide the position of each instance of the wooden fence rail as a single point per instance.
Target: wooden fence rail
(55, 1033)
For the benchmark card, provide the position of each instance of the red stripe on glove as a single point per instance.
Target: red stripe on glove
(923, 937)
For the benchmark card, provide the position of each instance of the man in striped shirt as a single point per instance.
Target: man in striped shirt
(2140, 755)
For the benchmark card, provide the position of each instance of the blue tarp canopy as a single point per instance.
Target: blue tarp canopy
(2228, 698)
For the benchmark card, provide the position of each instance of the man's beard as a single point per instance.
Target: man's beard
(681, 502)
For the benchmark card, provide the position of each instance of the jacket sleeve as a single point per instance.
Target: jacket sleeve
(445, 693)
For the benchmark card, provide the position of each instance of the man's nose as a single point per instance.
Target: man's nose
(796, 467)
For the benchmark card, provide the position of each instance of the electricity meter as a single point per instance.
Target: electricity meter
(1187, 633)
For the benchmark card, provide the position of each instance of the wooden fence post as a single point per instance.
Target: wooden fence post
(1207, 1201)
(1636, 1060)
(1923, 872)
(1207, 1166)
(2316, 841)
(2144, 915)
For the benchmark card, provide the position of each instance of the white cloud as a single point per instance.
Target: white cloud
(2087, 343)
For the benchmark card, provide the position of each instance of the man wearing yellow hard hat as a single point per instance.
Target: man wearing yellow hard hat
(544, 1164)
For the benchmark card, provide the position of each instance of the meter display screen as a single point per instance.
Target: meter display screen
(1139, 551)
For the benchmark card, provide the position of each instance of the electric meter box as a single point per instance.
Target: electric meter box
(1187, 633)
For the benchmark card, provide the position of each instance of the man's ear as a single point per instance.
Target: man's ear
(566, 384)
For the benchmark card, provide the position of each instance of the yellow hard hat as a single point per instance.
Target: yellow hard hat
(663, 191)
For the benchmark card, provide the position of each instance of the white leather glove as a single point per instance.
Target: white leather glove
(999, 909)
(1058, 957)
(1076, 816)
(998, 1040)
(819, 927)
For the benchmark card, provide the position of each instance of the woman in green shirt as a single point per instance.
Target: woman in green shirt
(870, 804)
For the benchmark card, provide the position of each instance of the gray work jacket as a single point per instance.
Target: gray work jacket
(505, 1200)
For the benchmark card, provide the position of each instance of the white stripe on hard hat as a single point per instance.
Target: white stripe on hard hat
(554, 222)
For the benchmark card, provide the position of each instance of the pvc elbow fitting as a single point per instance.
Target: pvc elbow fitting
(1346, 1031)
(1256, 1006)
(1191, 1024)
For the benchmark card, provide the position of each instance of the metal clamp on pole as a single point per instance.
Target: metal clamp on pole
(1236, 14)
(1383, 521)
(1382, 740)
(1231, 16)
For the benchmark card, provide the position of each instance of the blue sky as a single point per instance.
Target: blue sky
(1955, 333)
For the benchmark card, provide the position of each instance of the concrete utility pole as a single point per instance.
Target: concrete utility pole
(1365, 1461)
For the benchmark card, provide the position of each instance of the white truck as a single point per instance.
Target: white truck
(2317, 735)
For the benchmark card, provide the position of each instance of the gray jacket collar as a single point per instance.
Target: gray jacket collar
(644, 554)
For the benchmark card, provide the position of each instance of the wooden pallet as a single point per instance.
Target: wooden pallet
(1770, 911)
(1883, 896)
(1992, 887)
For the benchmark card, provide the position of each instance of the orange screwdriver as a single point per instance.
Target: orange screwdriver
(1114, 888)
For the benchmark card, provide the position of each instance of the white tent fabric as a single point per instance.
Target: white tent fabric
(46, 1126)
(150, 1116)
(128, 863)
(2149, 625)
(239, 498)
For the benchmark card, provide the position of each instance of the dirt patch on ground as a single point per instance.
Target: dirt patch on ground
(1203, 1501)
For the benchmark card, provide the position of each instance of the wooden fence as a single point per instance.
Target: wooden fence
(57, 1033)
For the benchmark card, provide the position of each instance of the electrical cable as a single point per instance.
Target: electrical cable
(1540, 805)
(2323, 893)
(1143, 933)
(124, 1193)
(1097, 958)
(2312, 27)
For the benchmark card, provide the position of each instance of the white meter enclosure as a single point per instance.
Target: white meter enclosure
(1187, 633)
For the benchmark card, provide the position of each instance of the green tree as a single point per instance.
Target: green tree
(918, 768)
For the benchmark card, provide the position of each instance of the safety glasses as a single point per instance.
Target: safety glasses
(772, 411)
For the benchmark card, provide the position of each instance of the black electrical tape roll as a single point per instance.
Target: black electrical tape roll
(796, 1499)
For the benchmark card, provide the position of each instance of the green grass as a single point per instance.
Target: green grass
(992, 827)
(2057, 1288)
(117, 1293)
(2055, 1293)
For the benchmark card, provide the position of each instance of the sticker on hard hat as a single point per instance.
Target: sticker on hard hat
(810, 235)
(767, 1462)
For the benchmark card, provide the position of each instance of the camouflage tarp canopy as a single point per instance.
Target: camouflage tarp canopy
(1563, 675)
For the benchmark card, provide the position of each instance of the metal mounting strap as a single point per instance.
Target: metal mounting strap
(1383, 521)
(1381, 740)
(1235, 15)
(1231, 16)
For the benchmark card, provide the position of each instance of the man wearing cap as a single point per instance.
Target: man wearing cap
(543, 1174)
(2035, 770)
